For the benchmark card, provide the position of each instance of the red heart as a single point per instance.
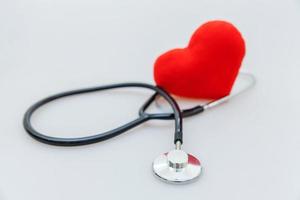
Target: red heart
(207, 67)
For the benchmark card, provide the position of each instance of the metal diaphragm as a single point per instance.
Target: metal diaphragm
(177, 167)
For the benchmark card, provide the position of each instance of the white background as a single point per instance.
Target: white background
(249, 147)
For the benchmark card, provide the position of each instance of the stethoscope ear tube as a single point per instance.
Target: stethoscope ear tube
(200, 108)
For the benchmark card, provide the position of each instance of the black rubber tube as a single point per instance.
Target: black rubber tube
(108, 134)
(168, 116)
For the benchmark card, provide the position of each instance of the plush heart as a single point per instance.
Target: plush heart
(207, 67)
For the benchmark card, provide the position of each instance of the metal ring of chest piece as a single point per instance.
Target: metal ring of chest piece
(177, 166)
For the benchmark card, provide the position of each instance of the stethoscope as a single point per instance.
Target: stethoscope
(175, 166)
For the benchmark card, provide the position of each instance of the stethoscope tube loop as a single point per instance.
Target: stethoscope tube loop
(108, 134)
(176, 115)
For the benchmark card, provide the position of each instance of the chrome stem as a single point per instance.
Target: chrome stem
(178, 145)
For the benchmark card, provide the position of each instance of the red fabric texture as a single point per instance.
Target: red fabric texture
(207, 67)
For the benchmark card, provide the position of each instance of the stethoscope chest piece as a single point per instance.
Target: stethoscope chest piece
(177, 167)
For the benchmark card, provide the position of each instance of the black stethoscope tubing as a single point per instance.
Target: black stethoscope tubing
(168, 116)
(143, 116)
(176, 115)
